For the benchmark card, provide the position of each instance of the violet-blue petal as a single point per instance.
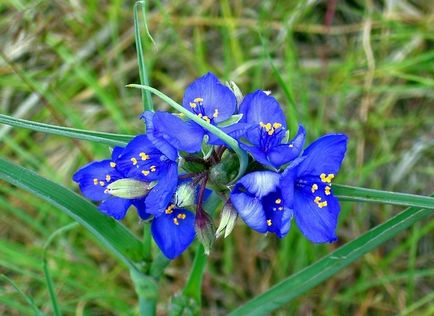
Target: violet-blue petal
(140, 206)
(167, 130)
(92, 179)
(156, 135)
(324, 155)
(284, 153)
(235, 131)
(173, 232)
(317, 224)
(277, 214)
(115, 207)
(161, 195)
(257, 154)
(259, 107)
(142, 160)
(217, 98)
(247, 194)
(117, 151)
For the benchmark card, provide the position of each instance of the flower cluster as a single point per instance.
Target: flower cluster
(165, 173)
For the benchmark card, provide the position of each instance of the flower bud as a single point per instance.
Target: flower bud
(226, 170)
(129, 188)
(227, 221)
(185, 195)
(204, 229)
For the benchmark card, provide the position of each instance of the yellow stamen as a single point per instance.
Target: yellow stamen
(280, 208)
(102, 183)
(108, 178)
(169, 209)
(181, 216)
(95, 181)
(144, 156)
(269, 222)
(327, 178)
(153, 168)
(314, 187)
(277, 125)
(198, 100)
(112, 164)
(278, 201)
(216, 113)
(327, 190)
(193, 105)
(145, 172)
(175, 221)
(134, 161)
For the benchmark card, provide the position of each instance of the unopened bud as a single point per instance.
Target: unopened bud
(129, 188)
(226, 170)
(227, 221)
(238, 94)
(185, 195)
(204, 230)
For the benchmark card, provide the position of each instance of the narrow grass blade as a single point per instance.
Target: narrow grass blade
(50, 285)
(349, 193)
(105, 138)
(109, 232)
(299, 283)
(27, 298)
(144, 79)
(232, 143)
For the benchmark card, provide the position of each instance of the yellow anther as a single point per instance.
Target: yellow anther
(181, 216)
(144, 156)
(95, 181)
(277, 125)
(112, 164)
(278, 201)
(268, 126)
(169, 209)
(327, 190)
(175, 221)
(134, 161)
(145, 172)
(206, 119)
(108, 178)
(269, 222)
(322, 204)
(270, 132)
(153, 168)
(102, 183)
(193, 105)
(327, 178)
(216, 113)
(314, 187)
(261, 124)
(198, 100)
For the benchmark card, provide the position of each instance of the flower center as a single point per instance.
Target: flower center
(198, 109)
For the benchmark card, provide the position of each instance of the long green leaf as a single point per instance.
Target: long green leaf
(105, 138)
(232, 143)
(109, 232)
(349, 193)
(301, 282)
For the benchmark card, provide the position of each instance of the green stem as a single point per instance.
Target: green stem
(147, 243)
(349, 193)
(147, 291)
(193, 287)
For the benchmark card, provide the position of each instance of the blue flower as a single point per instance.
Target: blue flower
(267, 200)
(167, 132)
(257, 197)
(266, 131)
(93, 180)
(309, 183)
(142, 160)
(173, 230)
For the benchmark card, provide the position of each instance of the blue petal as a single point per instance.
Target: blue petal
(284, 153)
(117, 151)
(324, 155)
(317, 224)
(161, 195)
(257, 154)
(287, 183)
(140, 205)
(217, 98)
(115, 207)
(92, 179)
(157, 136)
(142, 160)
(247, 194)
(259, 107)
(165, 129)
(235, 131)
(174, 232)
(277, 214)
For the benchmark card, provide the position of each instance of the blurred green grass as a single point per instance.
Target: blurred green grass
(363, 68)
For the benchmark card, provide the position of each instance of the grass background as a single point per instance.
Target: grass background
(360, 67)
